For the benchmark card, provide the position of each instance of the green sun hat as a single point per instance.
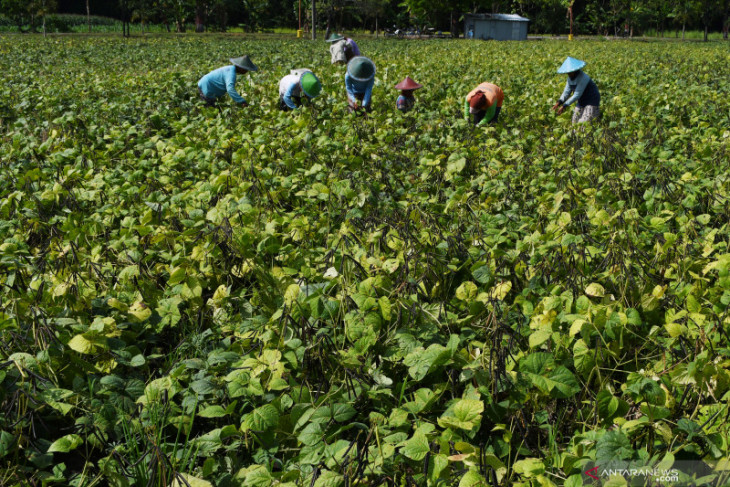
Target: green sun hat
(361, 68)
(244, 62)
(335, 37)
(311, 86)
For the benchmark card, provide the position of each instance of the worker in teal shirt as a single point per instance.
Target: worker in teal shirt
(223, 80)
(359, 81)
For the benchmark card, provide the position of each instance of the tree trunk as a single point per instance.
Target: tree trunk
(314, 21)
(705, 32)
(88, 17)
(199, 14)
(684, 25)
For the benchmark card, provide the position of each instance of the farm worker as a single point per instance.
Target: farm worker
(359, 81)
(293, 85)
(406, 100)
(342, 48)
(223, 80)
(484, 102)
(584, 91)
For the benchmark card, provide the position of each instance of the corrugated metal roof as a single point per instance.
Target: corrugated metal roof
(508, 17)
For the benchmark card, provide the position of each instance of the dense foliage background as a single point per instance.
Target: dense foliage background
(263, 298)
(602, 17)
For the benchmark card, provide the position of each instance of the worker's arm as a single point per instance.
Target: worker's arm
(231, 86)
(287, 96)
(489, 115)
(368, 93)
(349, 87)
(566, 93)
(583, 81)
(466, 109)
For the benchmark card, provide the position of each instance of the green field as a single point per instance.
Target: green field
(254, 298)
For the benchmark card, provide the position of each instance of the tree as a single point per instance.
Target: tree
(16, 11)
(706, 11)
(177, 10)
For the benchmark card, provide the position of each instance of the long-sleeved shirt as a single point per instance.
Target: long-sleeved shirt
(405, 103)
(219, 82)
(337, 51)
(352, 46)
(494, 96)
(584, 91)
(364, 88)
(289, 87)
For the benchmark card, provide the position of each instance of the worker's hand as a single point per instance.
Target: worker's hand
(244, 104)
(561, 109)
(556, 106)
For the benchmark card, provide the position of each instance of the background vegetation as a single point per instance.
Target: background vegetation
(603, 17)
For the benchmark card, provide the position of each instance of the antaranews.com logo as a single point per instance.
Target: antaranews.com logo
(679, 473)
(650, 475)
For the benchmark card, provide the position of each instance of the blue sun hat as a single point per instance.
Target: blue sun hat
(570, 65)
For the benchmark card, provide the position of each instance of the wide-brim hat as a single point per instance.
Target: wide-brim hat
(335, 37)
(244, 62)
(361, 68)
(408, 84)
(311, 86)
(571, 65)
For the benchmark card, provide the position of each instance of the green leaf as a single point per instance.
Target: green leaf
(81, 344)
(203, 386)
(595, 290)
(258, 476)
(466, 414)
(212, 412)
(583, 358)
(191, 481)
(329, 479)
(140, 311)
(385, 307)
(342, 412)
(261, 419)
(613, 446)
(473, 478)
(291, 294)
(575, 480)
(65, 444)
(467, 291)
(437, 465)
(168, 311)
(311, 434)
(482, 274)
(539, 337)
(529, 467)
(7, 441)
(607, 404)
(416, 448)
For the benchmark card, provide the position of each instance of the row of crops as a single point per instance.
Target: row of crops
(318, 299)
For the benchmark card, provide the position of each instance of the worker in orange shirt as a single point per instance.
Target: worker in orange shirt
(484, 102)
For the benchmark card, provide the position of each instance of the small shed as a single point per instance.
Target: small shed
(500, 27)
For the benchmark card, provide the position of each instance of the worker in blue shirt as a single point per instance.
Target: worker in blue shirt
(223, 80)
(583, 90)
(359, 81)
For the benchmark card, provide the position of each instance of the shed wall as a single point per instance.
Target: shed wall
(501, 30)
